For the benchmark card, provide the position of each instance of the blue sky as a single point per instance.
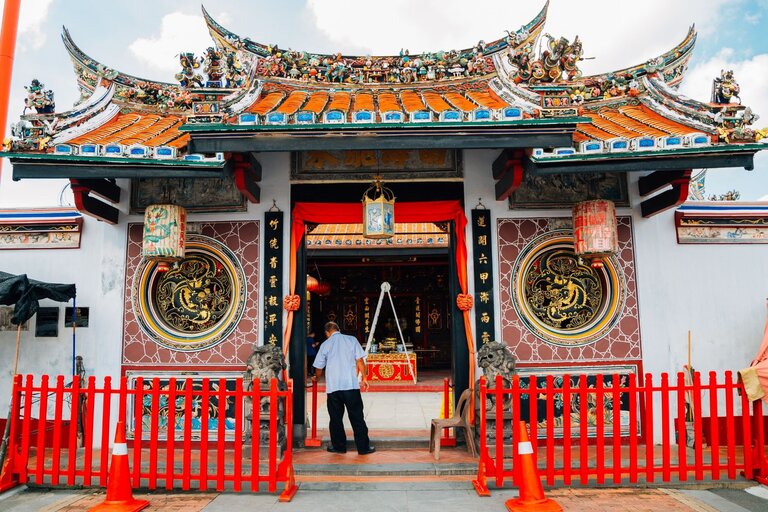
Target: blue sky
(143, 38)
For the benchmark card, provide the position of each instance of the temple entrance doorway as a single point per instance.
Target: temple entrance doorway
(406, 375)
(425, 264)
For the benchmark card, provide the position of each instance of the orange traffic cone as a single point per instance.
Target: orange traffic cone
(527, 478)
(119, 493)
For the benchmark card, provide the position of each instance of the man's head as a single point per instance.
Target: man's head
(330, 328)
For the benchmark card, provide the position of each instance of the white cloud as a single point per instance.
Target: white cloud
(751, 74)
(32, 17)
(178, 33)
(615, 37)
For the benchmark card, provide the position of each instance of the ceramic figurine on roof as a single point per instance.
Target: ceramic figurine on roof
(188, 77)
(235, 74)
(213, 67)
(725, 88)
(39, 98)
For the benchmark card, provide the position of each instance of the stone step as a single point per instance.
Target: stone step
(404, 470)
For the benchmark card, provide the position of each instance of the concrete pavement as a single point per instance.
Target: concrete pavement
(404, 497)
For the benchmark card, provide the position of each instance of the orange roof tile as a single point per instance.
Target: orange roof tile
(619, 118)
(316, 102)
(293, 103)
(459, 101)
(149, 130)
(436, 102)
(609, 126)
(340, 101)
(487, 99)
(594, 133)
(266, 103)
(105, 131)
(411, 101)
(363, 101)
(388, 102)
(647, 116)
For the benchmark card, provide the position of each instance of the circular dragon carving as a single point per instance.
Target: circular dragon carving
(195, 304)
(561, 299)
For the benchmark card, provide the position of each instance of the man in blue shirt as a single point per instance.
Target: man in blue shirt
(342, 357)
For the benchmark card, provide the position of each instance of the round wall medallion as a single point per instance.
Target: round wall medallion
(562, 299)
(197, 303)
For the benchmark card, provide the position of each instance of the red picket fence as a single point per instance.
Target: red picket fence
(586, 430)
(186, 433)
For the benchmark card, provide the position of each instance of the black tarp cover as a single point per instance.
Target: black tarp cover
(24, 293)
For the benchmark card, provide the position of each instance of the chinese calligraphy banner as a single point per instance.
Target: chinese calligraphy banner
(273, 277)
(483, 265)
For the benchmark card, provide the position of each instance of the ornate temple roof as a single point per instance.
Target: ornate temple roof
(485, 95)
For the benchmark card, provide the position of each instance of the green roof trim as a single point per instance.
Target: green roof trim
(221, 127)
(74, 159)
(721, 148)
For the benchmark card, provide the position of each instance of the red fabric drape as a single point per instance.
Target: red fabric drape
(761, 361)
(352, 213)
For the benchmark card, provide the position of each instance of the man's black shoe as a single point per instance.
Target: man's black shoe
(370, 449)
(331, 449)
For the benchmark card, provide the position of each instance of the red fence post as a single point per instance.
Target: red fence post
(666, 470)
(88, 438)
(138, 429)
(600, 429)
(446, 439)
(616, 400)
(106, 412)
(761, 457)
(221, 434)
(313, 440)
(714, 427)
(498, 398)
(648, 431)
(746, 426)
(205, 410)
(550, 418)
(237, 474)
(74, 396)
(730, 428)
(583, 432)
(633, 426)
(170, 435)
(697, 426)
(58, 416)
(154, 431)
(273, 435)
(567, 468)
(480, 483)
(26, 429)
(285, 470)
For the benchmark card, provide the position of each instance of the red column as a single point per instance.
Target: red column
(7, 49)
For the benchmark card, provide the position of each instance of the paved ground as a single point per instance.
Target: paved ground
(403, 411)
(441, 496)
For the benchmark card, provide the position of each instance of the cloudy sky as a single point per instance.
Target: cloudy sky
(143, 37)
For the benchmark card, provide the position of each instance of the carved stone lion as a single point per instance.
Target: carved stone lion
(265, 363)
(494, 359)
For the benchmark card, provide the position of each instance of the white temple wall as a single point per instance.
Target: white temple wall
(97, 269)
(718, 292)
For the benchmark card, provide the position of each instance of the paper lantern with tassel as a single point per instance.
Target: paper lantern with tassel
(164, 234)
(595, 231)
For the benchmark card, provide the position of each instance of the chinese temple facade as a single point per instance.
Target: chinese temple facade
(528, 204)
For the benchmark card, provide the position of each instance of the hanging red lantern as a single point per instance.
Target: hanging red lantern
(164, 234)
(595, 231)
(312, 284)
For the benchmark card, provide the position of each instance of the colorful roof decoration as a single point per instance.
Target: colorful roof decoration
(243, 86)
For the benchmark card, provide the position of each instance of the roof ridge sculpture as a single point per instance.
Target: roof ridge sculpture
(404, 68)
(229, 38)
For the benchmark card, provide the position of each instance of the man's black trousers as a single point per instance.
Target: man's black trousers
(353, 401)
